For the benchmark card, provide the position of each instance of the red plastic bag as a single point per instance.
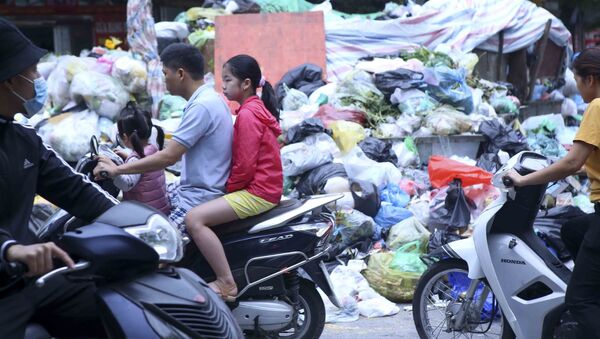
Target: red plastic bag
(328, 114)
(443, 170)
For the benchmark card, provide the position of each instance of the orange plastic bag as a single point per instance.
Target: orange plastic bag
(442, 171)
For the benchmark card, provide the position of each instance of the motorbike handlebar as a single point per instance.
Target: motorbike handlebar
(13, 269)
(508, 182)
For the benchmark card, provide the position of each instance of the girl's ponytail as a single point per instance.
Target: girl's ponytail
(137, 143)
(269, 99)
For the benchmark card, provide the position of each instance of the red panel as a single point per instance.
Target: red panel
(278, 41)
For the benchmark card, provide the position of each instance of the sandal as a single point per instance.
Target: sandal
(218, 288)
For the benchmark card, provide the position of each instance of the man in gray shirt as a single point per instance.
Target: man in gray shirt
(203, 139)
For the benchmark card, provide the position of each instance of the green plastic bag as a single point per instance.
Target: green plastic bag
(406, 258)
(171, 106)
(395, 285)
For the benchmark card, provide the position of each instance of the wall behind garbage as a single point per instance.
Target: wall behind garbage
(279, 41)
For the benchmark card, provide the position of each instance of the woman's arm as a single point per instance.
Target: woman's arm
(566, 166)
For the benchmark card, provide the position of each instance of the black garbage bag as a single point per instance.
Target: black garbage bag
(378, 150)
(366, 197)
(548, 224)
(313, 181)
(455, 212)
(500, 137)
(387, 82)
(304, 129)
(489, 162)
(440, 238)
(306, 78)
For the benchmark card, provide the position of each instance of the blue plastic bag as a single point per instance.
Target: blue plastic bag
(389, 215)
(451, 88)
(394, 195)
(460, 284)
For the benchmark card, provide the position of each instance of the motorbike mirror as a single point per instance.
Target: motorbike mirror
(94, 145)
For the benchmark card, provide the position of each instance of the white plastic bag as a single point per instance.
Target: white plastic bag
(406, 157)
(407, 230)
(300, 157)
(58, 87)
(552, 121)
(107, 128)
(132, 73)
(566, 136)
(290, 119)
(377, 307)
(337, 185)
(568, 108)
(570, 87)
(172, 30)
(324, 143)
(413, 101)
(360, 167)
(447, 121)
(349, 285)
(327, 90)
(294, 99)
(420, 210)
(71, 136)
(102, 94)
(45, 68)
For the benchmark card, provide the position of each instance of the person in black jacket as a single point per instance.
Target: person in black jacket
(29, 167)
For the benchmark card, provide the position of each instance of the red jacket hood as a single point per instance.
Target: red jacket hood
(255, 105)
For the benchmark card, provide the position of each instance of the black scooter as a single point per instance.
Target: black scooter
(277, 262)
(120, 252)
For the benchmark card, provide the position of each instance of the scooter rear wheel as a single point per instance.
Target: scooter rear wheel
(438, 292)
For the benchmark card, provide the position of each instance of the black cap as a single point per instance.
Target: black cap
(17, 52)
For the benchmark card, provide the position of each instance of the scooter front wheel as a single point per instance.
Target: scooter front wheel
(442, 309)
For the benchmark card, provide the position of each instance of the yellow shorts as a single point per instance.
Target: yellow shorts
(247, 205)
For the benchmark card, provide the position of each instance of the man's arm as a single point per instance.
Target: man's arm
(157, 161)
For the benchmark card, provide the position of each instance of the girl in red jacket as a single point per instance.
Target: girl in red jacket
(255, 183)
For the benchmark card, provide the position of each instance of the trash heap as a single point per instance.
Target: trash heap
(86, 94)
(367, 136)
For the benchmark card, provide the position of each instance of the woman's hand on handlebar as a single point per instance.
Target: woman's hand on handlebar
(515, 178)
(38, 257)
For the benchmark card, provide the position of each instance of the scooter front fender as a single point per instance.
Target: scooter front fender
(465, 249)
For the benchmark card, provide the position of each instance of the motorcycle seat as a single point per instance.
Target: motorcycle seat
(240, 225)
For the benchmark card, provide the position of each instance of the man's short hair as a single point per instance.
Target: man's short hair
(187, 57)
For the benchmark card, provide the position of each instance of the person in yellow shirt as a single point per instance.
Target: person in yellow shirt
(581, 235)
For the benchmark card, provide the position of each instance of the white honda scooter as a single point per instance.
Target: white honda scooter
(503, 282)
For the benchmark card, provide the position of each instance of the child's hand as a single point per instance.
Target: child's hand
(121, 153)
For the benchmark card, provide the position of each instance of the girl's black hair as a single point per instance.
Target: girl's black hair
(246, 67)
(137, 125)
(588, 63)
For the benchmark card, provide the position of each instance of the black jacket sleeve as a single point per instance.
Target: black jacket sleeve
(71, 191)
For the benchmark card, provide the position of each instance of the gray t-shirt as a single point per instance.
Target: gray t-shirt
(206, 130)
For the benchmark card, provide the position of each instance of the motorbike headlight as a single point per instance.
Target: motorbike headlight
(322, 230)
(160, 234)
